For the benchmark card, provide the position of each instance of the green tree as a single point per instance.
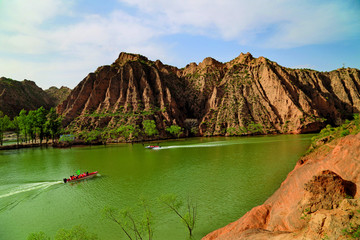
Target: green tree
(38, 236)
(133, 227)
(16, 126)
(22, 118)
(187, 214)
(174, 130)
(53, 124)
(76, 233)
(150, 127)
(129, 132)
(31, 125)
(40, 120)
(4, 125)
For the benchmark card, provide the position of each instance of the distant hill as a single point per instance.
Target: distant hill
(18, 95)
(58, 95)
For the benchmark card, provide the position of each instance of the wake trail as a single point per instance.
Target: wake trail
(224, 143)
(28, 187)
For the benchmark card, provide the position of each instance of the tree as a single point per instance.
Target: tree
(129, 132)
(174, 130)
(40, 120)
(134, 228)
(31, 125)
(16, 126)
(4, 125)
(76, 233)
(23, 125)
(187, 214)
(53, 124)
(38, 236)
(150, 127)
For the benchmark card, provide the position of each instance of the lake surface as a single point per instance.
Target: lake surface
(225, 176)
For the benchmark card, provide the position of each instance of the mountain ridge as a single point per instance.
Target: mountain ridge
(17, 95)
(244, 96)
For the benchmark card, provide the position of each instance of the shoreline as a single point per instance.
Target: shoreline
(317, 200)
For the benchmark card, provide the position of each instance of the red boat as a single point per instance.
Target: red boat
(153, 147)
(80, 177)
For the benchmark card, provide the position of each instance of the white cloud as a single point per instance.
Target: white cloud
(64, 44)
(64, 52)
(270, 23)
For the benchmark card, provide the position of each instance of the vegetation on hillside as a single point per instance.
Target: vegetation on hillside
(330, 133)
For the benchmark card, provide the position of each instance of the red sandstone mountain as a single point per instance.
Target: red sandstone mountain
(244, 96)
(312, 203)
(16, 95)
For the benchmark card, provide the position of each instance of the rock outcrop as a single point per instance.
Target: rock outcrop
(314, 202)
(244, 96)
(16, 95)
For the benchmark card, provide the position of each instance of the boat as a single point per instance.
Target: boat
(79, 177)
(153, 147)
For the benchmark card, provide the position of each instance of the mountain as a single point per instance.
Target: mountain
(244, 96)
(16, 95)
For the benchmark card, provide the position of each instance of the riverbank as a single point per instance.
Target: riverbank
(316, 201)
(49, 144)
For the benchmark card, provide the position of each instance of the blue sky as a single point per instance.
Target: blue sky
(58, 42)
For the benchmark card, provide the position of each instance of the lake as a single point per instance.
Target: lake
(226, 177)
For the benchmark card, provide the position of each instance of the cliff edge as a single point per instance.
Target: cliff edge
(318, 200)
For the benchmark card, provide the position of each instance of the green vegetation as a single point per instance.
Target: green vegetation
(36, 124)
(174, 130)
(129, 132)
(187, 214)
(330, 133)
(76, 233)
(4, 125)
(353, 231)
(133, 226)
(150, 127)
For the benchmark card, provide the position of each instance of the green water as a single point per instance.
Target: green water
(225, 176)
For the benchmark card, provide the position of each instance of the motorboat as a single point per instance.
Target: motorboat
(153, 147)
(80, 177)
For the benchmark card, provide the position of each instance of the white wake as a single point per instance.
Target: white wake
(28, 187)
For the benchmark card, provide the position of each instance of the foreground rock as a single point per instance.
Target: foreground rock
(312, 203)
(244, 96)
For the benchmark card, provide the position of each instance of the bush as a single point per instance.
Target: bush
(174, 130)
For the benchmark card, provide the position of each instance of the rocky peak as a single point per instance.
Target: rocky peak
(126, 57)
(210, 62)
(190, 69)
(243, 58)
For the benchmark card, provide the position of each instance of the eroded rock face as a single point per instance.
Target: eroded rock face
(18, 95)
(311, 203)
(244, 96)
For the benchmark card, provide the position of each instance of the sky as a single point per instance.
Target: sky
(58, 42)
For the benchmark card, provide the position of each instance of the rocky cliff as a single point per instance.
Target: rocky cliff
(244, 96)
(318, 200)
(16, 95)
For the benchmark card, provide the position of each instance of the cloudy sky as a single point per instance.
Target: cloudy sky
(58, 42)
